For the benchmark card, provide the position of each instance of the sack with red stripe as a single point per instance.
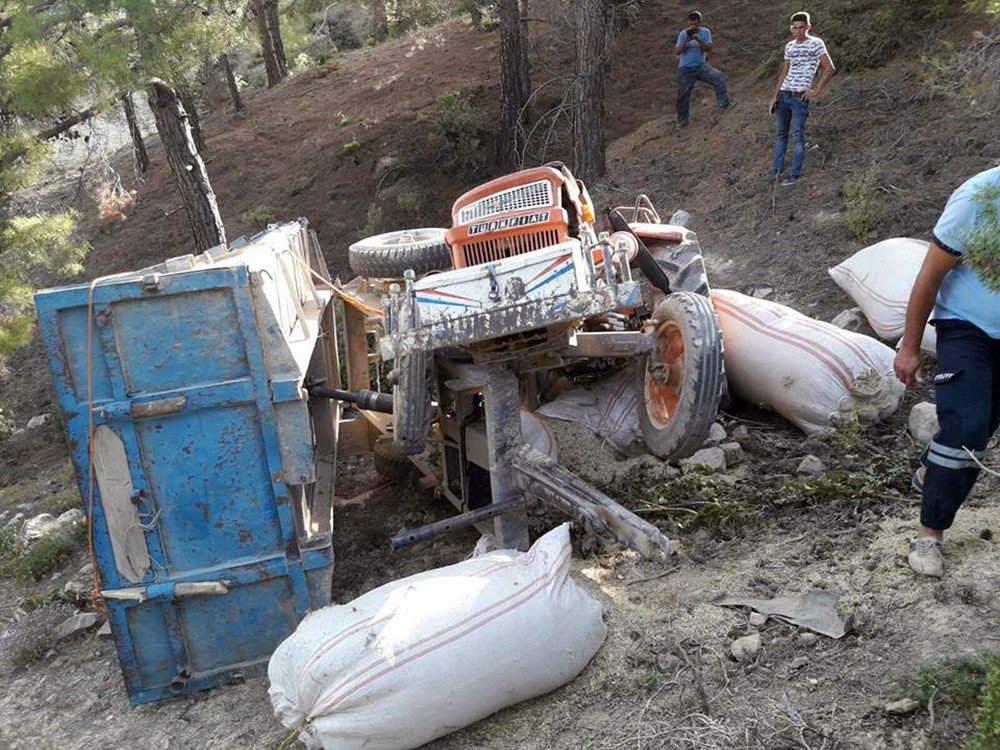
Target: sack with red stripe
(423, 656)
(879, 279)
(811, 373)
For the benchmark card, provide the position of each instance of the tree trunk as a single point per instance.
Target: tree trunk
(476, 15)
(275, 63)
(138, 145)
(186, 96)
(380, 22)
(187, 166)
(588, 109)
(234, 91)
(515, 85)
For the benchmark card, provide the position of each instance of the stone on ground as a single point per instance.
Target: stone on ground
(811, 465)
(745, 648)
(923, 422)
(711, 458)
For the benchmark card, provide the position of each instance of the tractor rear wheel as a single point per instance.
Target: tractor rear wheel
(387, 256)
(680, 381)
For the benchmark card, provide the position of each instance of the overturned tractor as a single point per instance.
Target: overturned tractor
(480, 321)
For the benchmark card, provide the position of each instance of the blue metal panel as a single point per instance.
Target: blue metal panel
(179, 376)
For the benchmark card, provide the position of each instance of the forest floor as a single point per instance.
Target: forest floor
(332, 142)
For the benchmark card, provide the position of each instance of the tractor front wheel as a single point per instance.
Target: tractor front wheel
(680, 381)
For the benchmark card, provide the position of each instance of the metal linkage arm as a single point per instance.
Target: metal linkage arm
(556, 486)
(362, 398)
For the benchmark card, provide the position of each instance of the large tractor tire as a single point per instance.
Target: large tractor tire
(411, 402)
(680, 382)
(387, 256)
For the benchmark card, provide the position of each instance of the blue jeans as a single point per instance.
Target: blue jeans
(967, 388)
(686, 78)
(790, 113)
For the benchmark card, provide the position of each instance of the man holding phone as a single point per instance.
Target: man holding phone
(804, 55)
(692, 48)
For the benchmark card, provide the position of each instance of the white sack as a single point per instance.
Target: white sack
(423, 656)
(879, 279)
(607, 408)
(808, 371)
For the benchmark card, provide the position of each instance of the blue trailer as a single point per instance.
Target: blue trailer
(207, 470)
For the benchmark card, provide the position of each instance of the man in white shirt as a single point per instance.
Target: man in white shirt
(804, 55)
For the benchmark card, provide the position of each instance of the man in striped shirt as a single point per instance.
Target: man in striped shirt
(793, 92)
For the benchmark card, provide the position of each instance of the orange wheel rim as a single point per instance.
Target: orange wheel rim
(664, 375)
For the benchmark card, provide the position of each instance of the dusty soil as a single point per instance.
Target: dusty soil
(316, 146)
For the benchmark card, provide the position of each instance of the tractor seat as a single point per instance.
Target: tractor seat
(659, 232)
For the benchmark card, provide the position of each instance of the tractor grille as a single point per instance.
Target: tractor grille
(498, 248)
(533, 195)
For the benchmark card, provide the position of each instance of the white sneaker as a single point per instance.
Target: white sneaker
(925, 556)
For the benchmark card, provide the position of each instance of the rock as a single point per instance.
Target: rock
(39, 526)
(733, 453)
(798, 663)
(712, 458)
(668, 472)
(15, 521)
(44, 525)
(745, 648)
(74, 624)
(78, 589)
(923, 424)
(757, 619)
(902, 707)
(811, 465)
(740, 433)
(716, 435)
(680, 217)
(761, 292)
(105, 630)
(37, 421)
(807, 638)
(849, 320)
(667, 663)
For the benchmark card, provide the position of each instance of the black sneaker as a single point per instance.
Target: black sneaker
(789, 181)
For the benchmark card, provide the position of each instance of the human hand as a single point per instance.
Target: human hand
(810, 94)
(908, 365)
(774, 106)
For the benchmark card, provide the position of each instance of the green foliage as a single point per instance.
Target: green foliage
(706, 501)
(958, 680)
(259, 217)
(10, 545)
(865, 33)
(374, 223)
(341, 31)
(464, 129)
(49, 553)
(987, 736)
(404, 15)
(983, 240)
(863, 214)
(42, 83)
(27, 245)
(410, 202)
(990, 7)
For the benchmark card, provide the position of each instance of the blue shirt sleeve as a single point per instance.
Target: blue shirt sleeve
(706, 35)
(682, 37)
(959, 216)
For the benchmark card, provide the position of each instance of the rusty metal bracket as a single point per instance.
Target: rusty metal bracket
(554, 485)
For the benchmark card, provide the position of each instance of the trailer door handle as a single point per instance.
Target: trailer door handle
(157, 407)
(168, 591)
